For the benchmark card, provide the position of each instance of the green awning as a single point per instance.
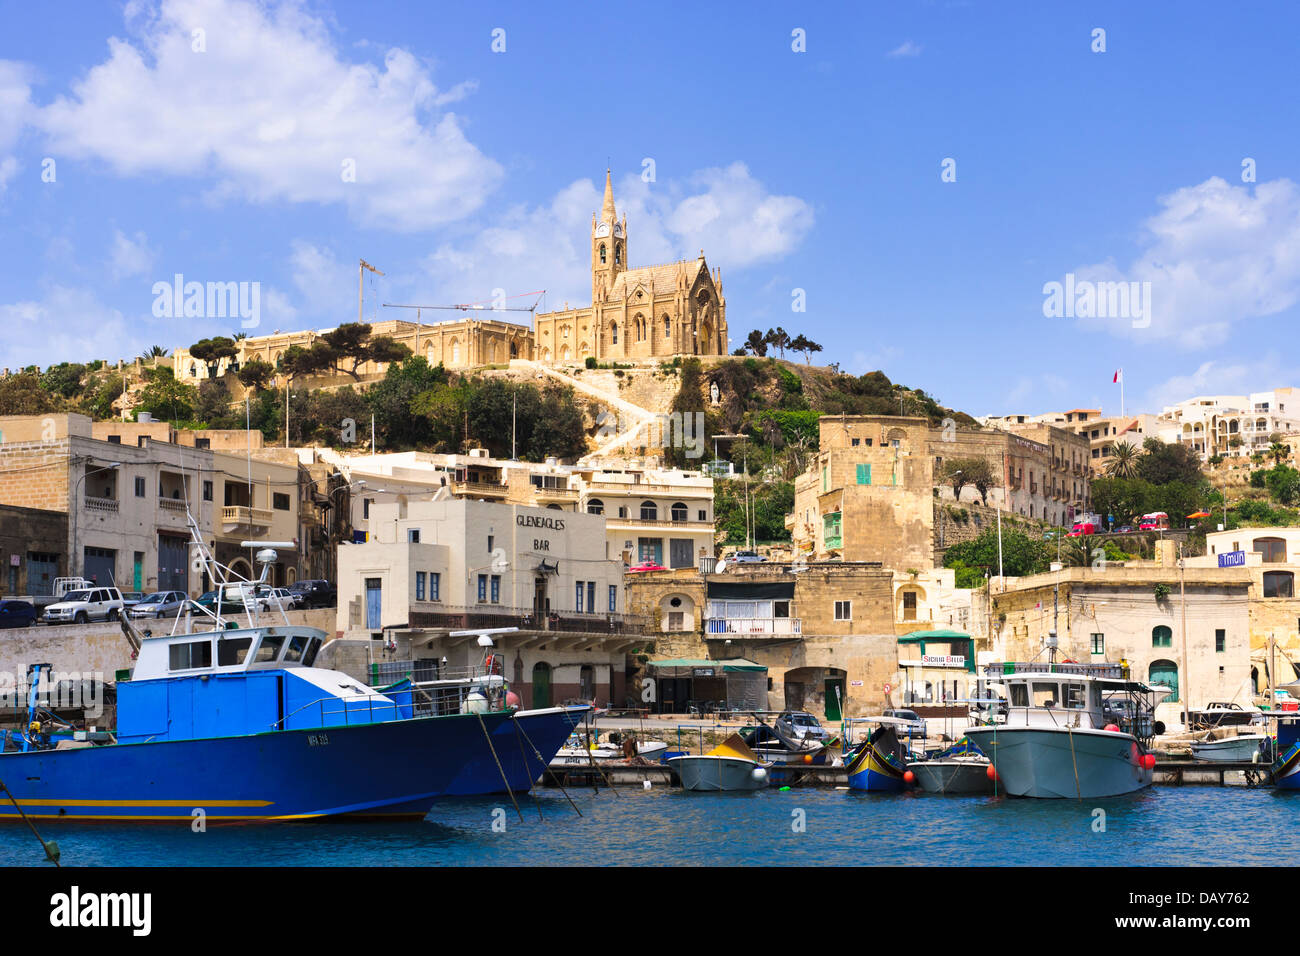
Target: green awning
(933, 636)
(734, 664)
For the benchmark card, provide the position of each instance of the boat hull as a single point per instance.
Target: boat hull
(1285, 771)
(394, 769)
(870, 770)
(517, 744)
(709, 772)
(952, 776)
(1063, 763)
(1239, 749)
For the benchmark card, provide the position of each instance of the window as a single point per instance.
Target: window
(613, 598)
(649, 512)
(613, 330)
(232, 650)
(435, 586)
(668, 327)
(1220, 640)
(577, 600)
(1099, 643)
(1273, 549)
(280, 501)
(843, 610)
(139, 487)
(704, 515)
(365, 507)
(419, 585)
(1279, 584)
(491, 541)
(115, 439)
(857, 442)
(269, 649)
(595, 507)
(207, 491)
(203, 443)
(297, 645)
(909, 605)
(1161, 636)
(602, 253)
(1072, 696)
(496, 589)
(412, 535)
(482, 588)
(1045, 693)
(1019, 695)
(191, 654)
(591, 596)
(679, 512)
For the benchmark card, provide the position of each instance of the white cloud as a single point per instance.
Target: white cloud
(15, 113)
(906, 48)
(273, 112)
(1221, 378)
(324, 284)
(1216, 255)
(725, 212)
(879, 360)
(130, 255)
(70, 325)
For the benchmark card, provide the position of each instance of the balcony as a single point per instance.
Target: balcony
(752, 625)
(478, 489)
(103, 506)
(555, 494)
(667, 524)
(236, 517)
(432, 614)
(172, 504)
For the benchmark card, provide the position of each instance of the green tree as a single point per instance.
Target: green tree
(255, 374)
(1021, 554)
(1123, 460)
(1163, 463)
(23, 394)
(212, 351)
(1283, 484)
(398, 423)
(212, 406)
(64, 379)
(756, 343)
(165, 398)
(959, 472)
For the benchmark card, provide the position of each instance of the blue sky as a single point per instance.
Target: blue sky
(817, 170)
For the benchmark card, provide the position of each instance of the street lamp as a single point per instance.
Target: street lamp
(76, 504)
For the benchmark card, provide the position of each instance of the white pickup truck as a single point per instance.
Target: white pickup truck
(84, 605)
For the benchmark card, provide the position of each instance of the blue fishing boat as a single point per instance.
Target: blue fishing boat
(236, 724)
(1285, 772)
(878, 763)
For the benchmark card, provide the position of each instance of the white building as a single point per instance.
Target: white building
(1231, 425)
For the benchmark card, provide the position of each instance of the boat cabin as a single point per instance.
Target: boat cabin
(1088, 696)
(242, 681)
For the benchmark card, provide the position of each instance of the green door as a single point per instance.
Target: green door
(541, 685)
(1165, 673)
(834, 697)
(138, 572)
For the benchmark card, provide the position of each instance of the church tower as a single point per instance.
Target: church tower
(608, 245)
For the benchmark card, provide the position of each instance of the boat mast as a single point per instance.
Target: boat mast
(1052, 640)
(1182, 595)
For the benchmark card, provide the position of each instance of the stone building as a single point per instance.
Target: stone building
(34, 549)
(636, 314)
(824, 633)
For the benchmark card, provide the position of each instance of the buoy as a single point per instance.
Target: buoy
(512, 700)
(909, 777)
(783, 789)
(992, 772)
(475, 703)
(807, 758)
(1149, 761)
(1111, 728)
(645, 784)
(758, 773)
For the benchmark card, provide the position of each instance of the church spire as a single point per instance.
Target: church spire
(607, 213)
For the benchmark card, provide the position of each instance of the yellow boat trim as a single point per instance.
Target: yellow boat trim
(734, 746)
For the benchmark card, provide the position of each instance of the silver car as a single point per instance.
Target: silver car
(160, 604)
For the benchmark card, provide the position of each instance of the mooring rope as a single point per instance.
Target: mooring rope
(542, 760)
(1078, 793)
(51, 849)
(500, 770)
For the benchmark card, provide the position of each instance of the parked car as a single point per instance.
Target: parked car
(1082, 528)
(160, 604)
(79, 607)
(747, 557)
(17, 614)
(131, 598)
(1124, 529)
(272, 598)
(803, 725)
(913, 723)
(315, 593)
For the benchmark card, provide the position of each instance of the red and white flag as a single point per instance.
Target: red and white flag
(1119, 376)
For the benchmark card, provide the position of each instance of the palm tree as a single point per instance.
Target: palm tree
(154, 351)
(1123, 460)
(1278, 451)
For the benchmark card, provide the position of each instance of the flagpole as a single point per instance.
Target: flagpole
(1121, 394)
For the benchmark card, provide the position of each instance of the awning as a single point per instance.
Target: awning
(941, 635)
(757, 591)
(731, 665)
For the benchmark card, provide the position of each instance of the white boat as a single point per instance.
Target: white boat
(1239, 749)
(729, 766)
(967, 774)
(1059, 738)
(576, 753)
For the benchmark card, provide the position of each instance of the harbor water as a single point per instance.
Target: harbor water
(1161, 826)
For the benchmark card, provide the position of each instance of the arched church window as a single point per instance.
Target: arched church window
(602, 253)
(613, 331)
(668, 327)
(618, 252)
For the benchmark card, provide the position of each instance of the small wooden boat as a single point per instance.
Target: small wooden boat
(576, 753)
(1238, 749)
(729, 766)
(878, 763)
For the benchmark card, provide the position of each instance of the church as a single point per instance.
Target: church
(651, 312)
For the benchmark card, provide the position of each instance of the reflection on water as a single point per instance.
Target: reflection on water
(663, 827)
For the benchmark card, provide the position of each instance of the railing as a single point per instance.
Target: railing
(341, 712)
(566, 494)
(478, 488)
(172, 504)
(242, 514)
(458, 617)
(660, 523)
(752, 625)
(102, 505)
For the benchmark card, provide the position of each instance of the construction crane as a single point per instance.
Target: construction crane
(484, 306)
(361, 281)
